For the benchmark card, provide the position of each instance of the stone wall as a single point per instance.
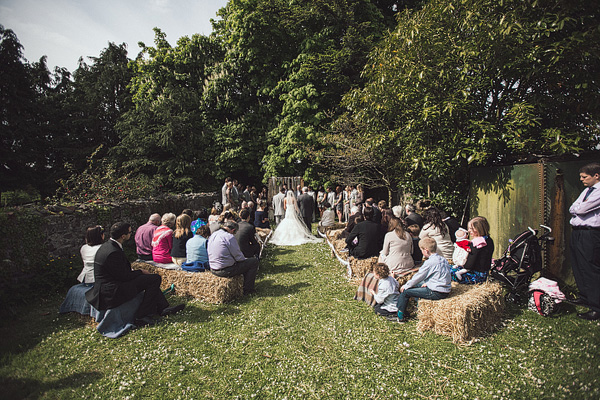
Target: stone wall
(65, 227)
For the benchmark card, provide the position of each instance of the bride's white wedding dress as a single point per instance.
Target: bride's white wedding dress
(292, 231)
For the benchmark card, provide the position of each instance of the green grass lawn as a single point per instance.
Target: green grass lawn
(301, 337)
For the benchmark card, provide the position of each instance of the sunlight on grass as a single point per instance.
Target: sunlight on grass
(301, 336)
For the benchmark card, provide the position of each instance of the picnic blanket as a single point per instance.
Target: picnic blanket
(112, 323)
(367, 283)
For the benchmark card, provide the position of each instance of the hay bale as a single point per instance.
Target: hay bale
(405, 278)
(200, 285)
(362, 267)
(327, 229)
(262, 233)
(335, 234)
(470, 311)
(339, 245)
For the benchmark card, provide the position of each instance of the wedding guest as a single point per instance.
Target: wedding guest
(261, 218)
(368, 234)
(214, 216)
(479, 260)
(387, 295)
(201, 219)
(182, 234)
(162, 241)
(195, 248)
(143, 237)
(327, 218)
(412, 217)
(397, 248)
(246, 236)
(360, 194)
(339, 203)
(94, 237)
(436, 229)
(227, 260)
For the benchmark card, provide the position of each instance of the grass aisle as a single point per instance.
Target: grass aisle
(302, 336)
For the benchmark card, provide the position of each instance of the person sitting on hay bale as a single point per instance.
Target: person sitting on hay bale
(116, 283)
(327, 217)
(246, 236)
(227, 260)
(162, 242)
(397, 248)
(143, 237)
(479, 259)
(433, 278)
(181, 235)
(195, 248)
(368, 236)
(414, 231)
(387, 293)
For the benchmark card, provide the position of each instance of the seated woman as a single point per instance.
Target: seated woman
(162, 242)
(327, 216)
(94, 237)
(195, 248)
(435, 228)
(181, 235)
(397, 249)
(261, 217)
(479, 260)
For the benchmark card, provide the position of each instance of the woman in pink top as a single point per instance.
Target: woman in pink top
(162, 242)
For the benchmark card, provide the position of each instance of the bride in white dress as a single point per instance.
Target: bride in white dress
(292, 231)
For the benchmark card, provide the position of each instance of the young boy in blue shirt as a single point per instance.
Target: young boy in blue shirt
(432, 282)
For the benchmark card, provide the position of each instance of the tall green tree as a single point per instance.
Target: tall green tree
(166, 136)
(472, 82)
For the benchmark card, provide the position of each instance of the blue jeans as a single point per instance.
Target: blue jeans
(419, 293)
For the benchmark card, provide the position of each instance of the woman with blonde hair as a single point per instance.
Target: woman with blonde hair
(397, 248)
(479, 260)
(181, 235)
(162, 242)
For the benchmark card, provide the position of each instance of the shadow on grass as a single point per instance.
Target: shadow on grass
(282, 269)
(14, 388)
(267, 288)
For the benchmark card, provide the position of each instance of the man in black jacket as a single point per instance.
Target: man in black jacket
(116, 283)
(246, 235)
(369, 236)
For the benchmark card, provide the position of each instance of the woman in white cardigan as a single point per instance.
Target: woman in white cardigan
(437, 229)
(94, 237)
(397, 248)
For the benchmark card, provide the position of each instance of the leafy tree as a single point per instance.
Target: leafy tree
(18, 134)
(463, 83)
(166, 136)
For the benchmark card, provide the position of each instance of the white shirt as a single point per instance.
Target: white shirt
(587, 213)
(88, 253)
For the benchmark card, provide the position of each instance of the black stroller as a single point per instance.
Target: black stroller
(521, 259)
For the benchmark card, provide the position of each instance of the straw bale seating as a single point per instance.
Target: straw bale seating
(470, 311)
(326, 229)
(360, 268)
(201, 285)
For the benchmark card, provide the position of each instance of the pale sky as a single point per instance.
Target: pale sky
(65, 30)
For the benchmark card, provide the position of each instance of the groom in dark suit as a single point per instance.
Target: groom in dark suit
(116, 283)
(306, 203)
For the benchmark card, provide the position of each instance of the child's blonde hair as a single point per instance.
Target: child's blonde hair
(428, 244)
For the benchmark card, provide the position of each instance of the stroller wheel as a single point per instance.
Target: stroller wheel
(513, 297)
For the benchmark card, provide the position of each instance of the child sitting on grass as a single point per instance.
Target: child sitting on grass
(433, 279)
(387, 292)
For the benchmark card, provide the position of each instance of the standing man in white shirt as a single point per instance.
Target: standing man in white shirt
(585, 241)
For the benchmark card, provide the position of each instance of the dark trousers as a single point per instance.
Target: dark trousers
(419, 293)
(154, 300)
(381, 311)
(145, 257)
(585, 261)
(248, 268)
